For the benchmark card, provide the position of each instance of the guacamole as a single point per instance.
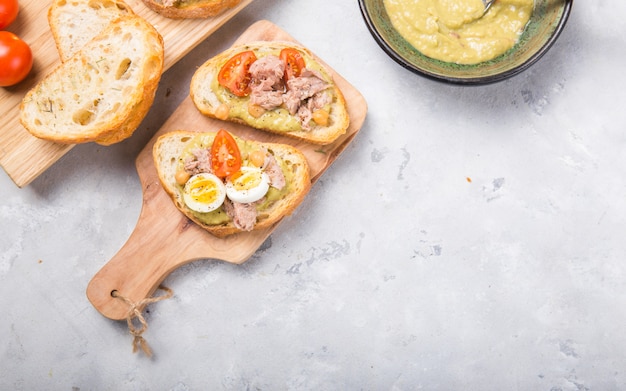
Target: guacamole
(456, 30)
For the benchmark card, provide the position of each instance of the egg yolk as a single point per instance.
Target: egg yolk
(245, 180)
(204, 190)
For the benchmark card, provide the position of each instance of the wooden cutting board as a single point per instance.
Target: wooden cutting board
(164, 238)
(23, 156)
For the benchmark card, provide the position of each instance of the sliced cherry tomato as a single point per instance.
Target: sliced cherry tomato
(16, 59)
(225, 155)
(8, 12)
(235, 74)
(294, 62)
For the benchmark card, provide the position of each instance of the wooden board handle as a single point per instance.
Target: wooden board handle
(163, 240)
(140, 265)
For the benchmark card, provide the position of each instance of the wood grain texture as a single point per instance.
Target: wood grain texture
(25, 157)
(164, 239)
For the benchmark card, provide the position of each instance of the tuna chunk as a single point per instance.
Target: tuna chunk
(199, 162)
(243, 215)
(301, 88)
(267, 86)
(274, 172)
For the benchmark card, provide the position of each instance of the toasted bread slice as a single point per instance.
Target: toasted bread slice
(170, 152)
(103, 92)
(185, 9)
(214, 100)
(73, 23)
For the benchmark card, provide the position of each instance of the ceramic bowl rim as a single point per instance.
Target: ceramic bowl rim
(478, 80)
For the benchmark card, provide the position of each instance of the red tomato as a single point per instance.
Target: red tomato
(16, 59)
(294, 62)
(8, 12)
(225, 155)
(235, 74)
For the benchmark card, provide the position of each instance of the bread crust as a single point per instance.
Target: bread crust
(74, 23)
(94, 83)
(195, 10)
(168, 150)
(207, 101)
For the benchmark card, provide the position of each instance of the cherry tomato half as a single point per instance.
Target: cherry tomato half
(294, 62)
(225, 155)
(235, 74)
(16, 59)
(8, 12)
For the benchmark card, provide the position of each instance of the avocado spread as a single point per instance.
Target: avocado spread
(277, 119)
(219, 216)
(458, 30)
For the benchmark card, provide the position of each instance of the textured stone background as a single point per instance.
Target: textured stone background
(469, 238)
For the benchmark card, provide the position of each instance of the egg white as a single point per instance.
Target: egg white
(204, 192)
(244, 189)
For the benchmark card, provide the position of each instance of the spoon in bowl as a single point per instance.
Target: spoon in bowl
(487, 4)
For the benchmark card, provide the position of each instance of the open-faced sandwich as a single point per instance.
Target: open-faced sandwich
(188, 9)
(279, 87)
(227, 184)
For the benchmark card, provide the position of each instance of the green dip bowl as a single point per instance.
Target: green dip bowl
(546, 23)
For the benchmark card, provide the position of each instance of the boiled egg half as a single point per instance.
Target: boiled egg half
(204, 192)
(247, 185)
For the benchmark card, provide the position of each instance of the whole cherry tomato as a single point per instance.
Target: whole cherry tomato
(8, 12)
(16, 59)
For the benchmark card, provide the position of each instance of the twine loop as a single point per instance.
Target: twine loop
(134, 311)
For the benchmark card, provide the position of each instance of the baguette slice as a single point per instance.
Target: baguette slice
(186, 9)
(168, 154)
(73, 23)
(103, 92)
(210, 97)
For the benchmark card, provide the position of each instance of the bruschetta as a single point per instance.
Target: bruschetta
(279, 87)
(226, 184)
